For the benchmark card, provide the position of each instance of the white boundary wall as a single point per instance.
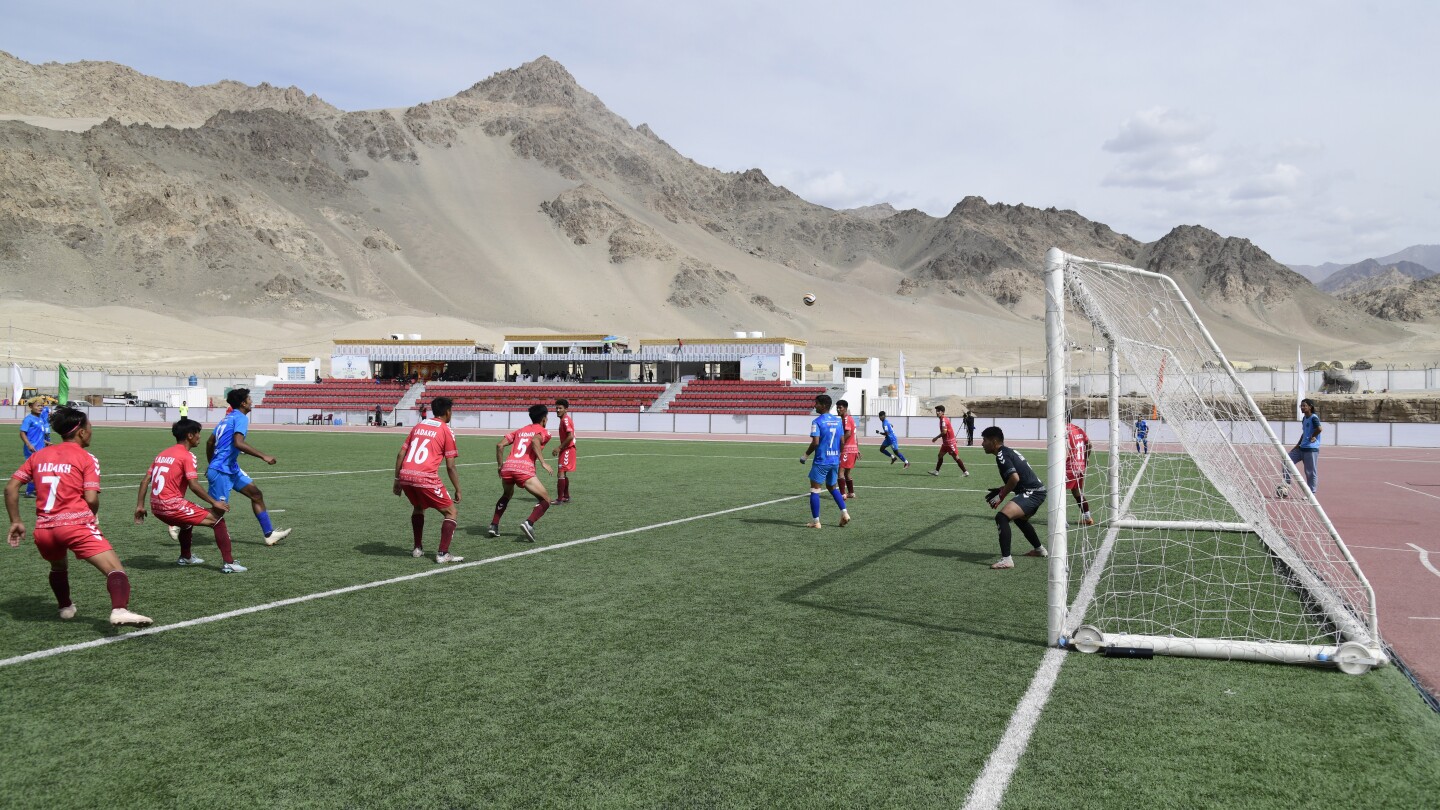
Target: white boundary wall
(918, 430)
(1258, 383)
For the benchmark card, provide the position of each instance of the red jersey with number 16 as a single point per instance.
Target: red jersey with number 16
(170, 475)
(428, 443)
(61, 472)
(525, 445)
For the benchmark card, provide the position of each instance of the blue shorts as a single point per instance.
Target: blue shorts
(825, 474)
(219, 484)
(890, 443)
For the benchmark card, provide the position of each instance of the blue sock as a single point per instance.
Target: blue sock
(839, 497)
(264, 518)
(815, 505)
(900, 455)
(885, 451)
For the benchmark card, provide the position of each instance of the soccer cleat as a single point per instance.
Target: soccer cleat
(907, 465)
(934, 472)
(123, 616)
(1086, 520)
(528, 529)
(191, 560)
(68, 612)
(850, 497)
(276, 536)
(1005, 562)
(844, 517)
(493, 531)
(814, 524)
(557, 501)
(967, 473)
(893, 459)
(417, 552)
(175, 533)
(1037, 552)
(233, 568)
(447, 557)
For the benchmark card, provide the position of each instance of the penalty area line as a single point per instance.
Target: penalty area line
(231, 614)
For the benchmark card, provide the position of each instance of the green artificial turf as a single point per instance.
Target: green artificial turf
(735, 660)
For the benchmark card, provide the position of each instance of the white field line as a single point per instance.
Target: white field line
(1416, 491)
(1425, 559)
(1426, 618)
(989, 787)
(436, 571)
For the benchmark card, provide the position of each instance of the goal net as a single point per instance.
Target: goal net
(1208, 541)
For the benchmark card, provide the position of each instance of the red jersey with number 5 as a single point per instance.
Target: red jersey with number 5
(525, 445)
(62, 473)
(428, 443)
(170, 475)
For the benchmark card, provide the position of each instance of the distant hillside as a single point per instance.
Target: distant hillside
(1372, 275)
(1427, 256)
(1420, 301)
(523, 202)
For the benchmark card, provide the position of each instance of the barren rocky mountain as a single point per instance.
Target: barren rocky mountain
(1373, 275)
(1416, 301)
(524, 203)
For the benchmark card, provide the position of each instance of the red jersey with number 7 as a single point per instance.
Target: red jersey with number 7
(170, 475)
(62, 473)
(525, 445)
(428, 443)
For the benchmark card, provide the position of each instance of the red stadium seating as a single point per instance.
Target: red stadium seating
(334, 395)
(595, 398)
(745, 397)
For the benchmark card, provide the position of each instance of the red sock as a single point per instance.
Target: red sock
(849, 486)
(447, 533)
(417, 526)
(538, 512)
(118, 583)
(565, 488)
(222, 542)
(187, 536)
(499, 510)
(60, 584)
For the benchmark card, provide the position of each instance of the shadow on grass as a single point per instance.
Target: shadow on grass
(801, 595)
(43, 609)
(384, 549)
(157, 563)
(982, 557)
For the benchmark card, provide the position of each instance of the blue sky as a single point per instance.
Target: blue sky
(1307, 127)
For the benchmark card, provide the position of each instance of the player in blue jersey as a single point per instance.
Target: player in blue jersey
(890, 443)
(827, 437)
(1306, 452)
(224, 475)
(1015, 476)
(1142, 434)
(34, 435)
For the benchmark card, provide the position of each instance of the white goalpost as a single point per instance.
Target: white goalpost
(1208, 545)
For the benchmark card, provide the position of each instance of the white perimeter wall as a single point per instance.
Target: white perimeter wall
(912, 430)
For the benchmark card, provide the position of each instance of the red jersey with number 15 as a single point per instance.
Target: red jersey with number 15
(525, 445)
(170, 475)
(62, 473)
(947, 431)
(428, 443)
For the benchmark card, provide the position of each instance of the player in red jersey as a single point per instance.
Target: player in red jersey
(565, 453)
(417, 477)
(67, 497)
(850, 450)
(951, 444)
(518, 467)
(173, 473)
(1077, 456)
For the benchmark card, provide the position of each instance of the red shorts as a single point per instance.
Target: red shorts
(423, 497)
(83, 539)
(949, 449)
(181, 513)
(1074, 478)
(516, 476)
(848, 459)
(567, 459)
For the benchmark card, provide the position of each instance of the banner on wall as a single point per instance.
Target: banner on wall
(349, 366)
(765, 367)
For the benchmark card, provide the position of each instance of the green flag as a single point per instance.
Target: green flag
(64, 393)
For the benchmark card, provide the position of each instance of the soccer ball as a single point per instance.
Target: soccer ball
(1282, 490)
(809, 299)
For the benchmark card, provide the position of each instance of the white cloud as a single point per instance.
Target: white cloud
(1159, 128)
(1282, 180)
(830, 188)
